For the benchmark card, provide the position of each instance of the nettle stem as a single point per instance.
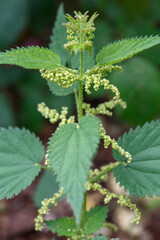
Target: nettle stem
(83, 214)
(80, 110)
(80, 114)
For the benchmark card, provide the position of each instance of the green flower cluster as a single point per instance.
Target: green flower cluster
(64, 77)
(47, 160)
(114, 144)
(45, 209)
(54, 116)
(123, 200)
(80, 32)
(96, 76)
(50, 114)
(103, 108)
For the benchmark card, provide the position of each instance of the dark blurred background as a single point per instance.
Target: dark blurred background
(30, 22)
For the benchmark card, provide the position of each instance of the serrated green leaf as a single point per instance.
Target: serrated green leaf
(65, 226)
(60, 91)
(59, 36)
(20, 150)
(95, 219)
(71, 149)
(104, 238)
(46, 188)
(31, 58)
(141, 177)
(100, 238)
(126, 48)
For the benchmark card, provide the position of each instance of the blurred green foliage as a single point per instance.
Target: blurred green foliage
(29, 22)
(139, 86)
(6, 112)
(14, 18)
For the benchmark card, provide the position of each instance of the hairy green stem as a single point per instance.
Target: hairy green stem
(110, 225)
(80, 110)
(80, 114)
(108, 169)
(76, 98)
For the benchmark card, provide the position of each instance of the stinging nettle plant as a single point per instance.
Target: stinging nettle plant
(74, 69)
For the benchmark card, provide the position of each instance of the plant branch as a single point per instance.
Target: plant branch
(44, 167)
(76, 98)
(106, 169)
